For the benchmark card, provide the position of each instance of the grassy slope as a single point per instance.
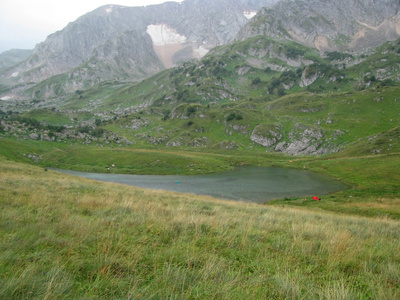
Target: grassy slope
(374, 180)
(74, 238)
(355, 115)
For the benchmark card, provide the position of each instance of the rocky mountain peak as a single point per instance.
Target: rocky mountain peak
(126, 43)
(329, 25)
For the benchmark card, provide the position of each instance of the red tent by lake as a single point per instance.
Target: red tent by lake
(316, 198)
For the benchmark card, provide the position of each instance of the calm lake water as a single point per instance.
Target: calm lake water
(251, 184)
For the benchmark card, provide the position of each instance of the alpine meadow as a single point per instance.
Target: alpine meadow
(193, 89)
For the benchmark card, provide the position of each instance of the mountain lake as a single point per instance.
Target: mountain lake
(251, 184)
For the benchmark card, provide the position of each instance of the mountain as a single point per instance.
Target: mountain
(120, 44)
(12, 57)
(329, 25)
(266, 90)
(130, 43)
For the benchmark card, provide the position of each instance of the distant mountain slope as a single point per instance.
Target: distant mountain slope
(12, 57)
(127, 43)
(329, 25)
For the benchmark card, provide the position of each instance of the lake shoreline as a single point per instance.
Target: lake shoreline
(245, 183)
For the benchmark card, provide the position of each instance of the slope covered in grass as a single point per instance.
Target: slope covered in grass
(65, 237)
(374, 185)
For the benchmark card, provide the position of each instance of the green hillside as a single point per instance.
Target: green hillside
(248, 95)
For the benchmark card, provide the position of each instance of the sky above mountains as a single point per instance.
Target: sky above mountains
(24, 23)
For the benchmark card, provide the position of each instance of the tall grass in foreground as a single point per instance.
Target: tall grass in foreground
(64, 237)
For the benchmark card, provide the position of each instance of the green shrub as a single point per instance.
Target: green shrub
(256, 81)
(231, 116)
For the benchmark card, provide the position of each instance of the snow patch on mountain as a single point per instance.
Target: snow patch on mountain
(162, 34)
(109, 9)
(200, 52)
(249, 14)
(6, 98)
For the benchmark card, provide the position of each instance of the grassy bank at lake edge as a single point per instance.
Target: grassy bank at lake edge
(373, 179)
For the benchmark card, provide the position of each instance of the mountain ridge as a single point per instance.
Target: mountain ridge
(123, 44)
(12, 57)
(328, 26)
(116, 37)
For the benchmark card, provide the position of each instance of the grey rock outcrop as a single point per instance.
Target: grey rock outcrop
(308, 80)
(34, 136)
(303, 140)
(266, 135)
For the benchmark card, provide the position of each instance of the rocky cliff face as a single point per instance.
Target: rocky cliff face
(128, 43)
(329, 25)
